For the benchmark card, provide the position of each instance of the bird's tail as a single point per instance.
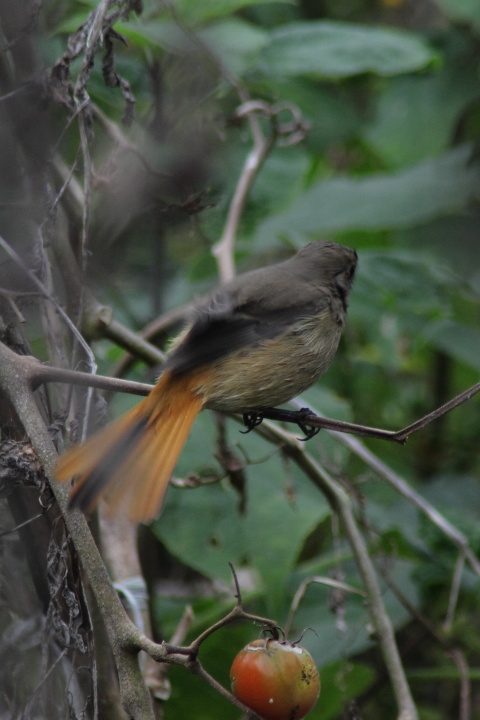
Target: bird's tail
(133, 458)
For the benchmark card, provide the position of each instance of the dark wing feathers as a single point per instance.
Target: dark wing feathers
(221, 326)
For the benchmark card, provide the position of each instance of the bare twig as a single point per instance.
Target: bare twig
(224, 249)
(122, 141)
(51, 374)
(404, 489)
(310, 419)
(262, 144)
(155, 330)
(465, 685)
(302, 589)
(43, 290)
(443, 640)
(39, 374)
(134, 343)
(454, 591)
(341, 504)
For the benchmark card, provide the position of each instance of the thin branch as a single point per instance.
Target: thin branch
(339, 426)
(224, 249)
(43, 373)
(302, 589)
(454, 591)
(237, 613)
(465, 685)
(406, 491)
(18, 260)
(134, 343)
(310, 419)
(122, 141)
(152, 332)
(197, 669)
(443, 640)
(341, 504)
(40, 374)
(262, 144)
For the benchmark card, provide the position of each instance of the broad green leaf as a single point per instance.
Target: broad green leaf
(198, 11)
(433, 188)
(463, 255)
(234, 42)
(461, 10)
(460, 341)
(336, 49)
(72, 23)
(157, 33)
(203, 527)
(416, 115)
(340, 683)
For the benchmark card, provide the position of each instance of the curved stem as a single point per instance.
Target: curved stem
(340, 502)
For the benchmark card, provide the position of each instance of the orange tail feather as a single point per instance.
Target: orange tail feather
(133, 458)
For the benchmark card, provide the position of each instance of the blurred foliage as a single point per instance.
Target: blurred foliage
(390, 166)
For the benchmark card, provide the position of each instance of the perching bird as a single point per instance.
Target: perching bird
(255, 342)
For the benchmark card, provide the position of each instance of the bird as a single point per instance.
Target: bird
(255, 342)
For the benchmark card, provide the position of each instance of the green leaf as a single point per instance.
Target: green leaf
(328, 112)
(234, 42)
(436, 187)
(335, 49)
(161, 33)
(462, 10)
(416, 115)
(198, 11)
(203, 527)
(460, 341)
(340, 683)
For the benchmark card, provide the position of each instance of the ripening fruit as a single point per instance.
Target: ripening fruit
(278, 680)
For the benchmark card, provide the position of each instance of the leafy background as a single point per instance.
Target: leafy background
(390, 91)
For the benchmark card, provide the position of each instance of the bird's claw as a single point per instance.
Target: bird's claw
(254, 418)
(251, 421)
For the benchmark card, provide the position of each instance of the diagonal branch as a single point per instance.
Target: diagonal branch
(311, 420)
(341, 504)
(43, 373)
(39, 374)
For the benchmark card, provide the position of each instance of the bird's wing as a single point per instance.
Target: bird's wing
(229, 321)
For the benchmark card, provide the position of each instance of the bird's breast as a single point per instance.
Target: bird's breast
(272, 372)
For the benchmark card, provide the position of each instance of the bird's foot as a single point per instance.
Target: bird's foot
(254, 418)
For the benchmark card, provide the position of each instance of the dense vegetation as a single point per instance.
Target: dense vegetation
(134, 139)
